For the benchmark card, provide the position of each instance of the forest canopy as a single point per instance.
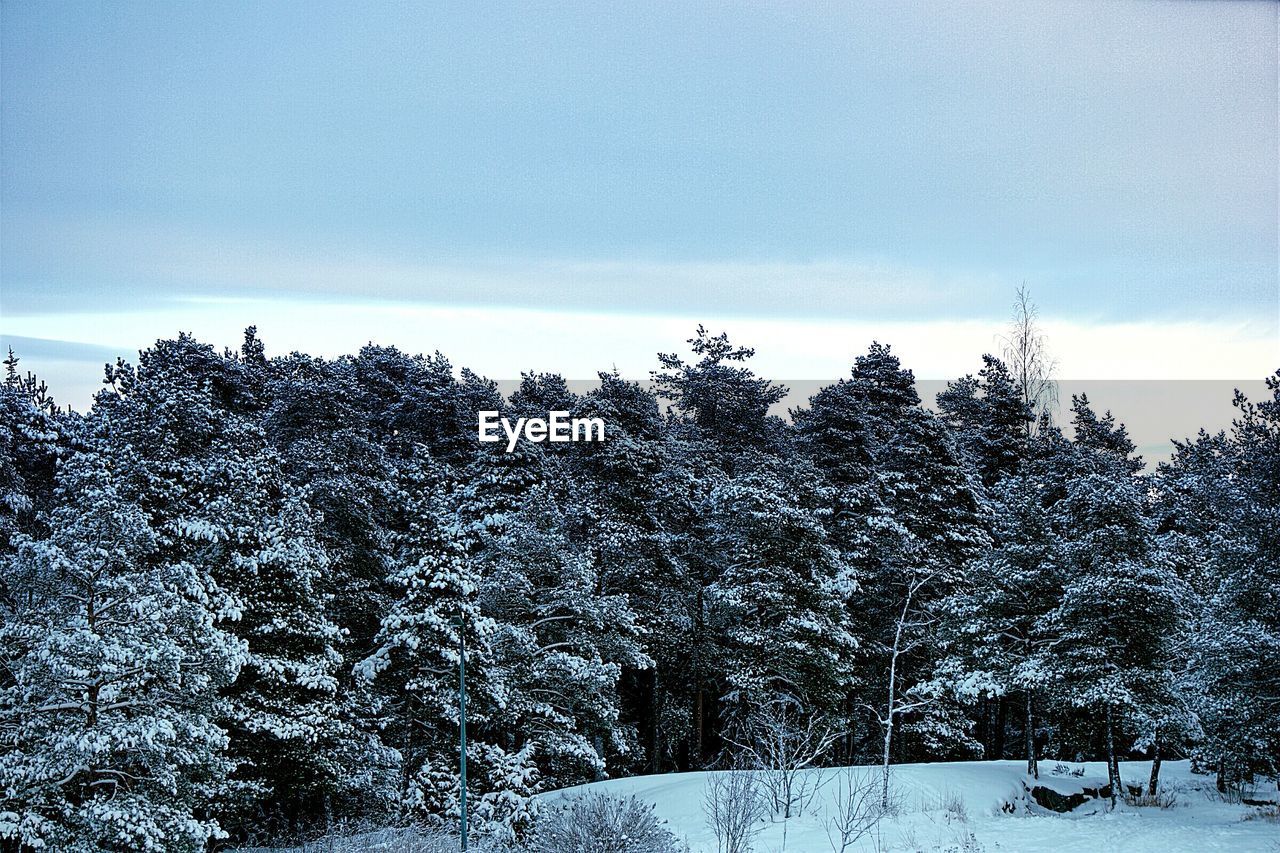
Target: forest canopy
(232, 593)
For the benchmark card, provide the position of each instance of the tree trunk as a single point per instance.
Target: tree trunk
(1113, 764)
(888, 720)
(1033, 766)
(1002, 716)
(697, 724)
(891, 709)
(888, 739)
(1154, 783)
(655, 749)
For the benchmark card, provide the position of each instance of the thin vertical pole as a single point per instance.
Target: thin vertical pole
(462, 708)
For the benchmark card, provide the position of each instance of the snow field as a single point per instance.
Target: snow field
(964, 807)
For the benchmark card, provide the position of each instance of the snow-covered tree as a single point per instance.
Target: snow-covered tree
(114, 663)
(232, 596)
(416, 663)
(912, 519)
(718, 418)
(991, 626)
(989, 420)
(1122, 600)
(32, 435)
(719, 393)
(560, 642)
(626, 498)
(1222, 496)
(782, 593)
(219, 500)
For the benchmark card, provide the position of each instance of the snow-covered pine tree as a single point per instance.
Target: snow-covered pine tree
(926, 524)
(1226, 490)
(317, 420)
(219, 501)
(292, 732)
(416, 663)
(494, 484)
(561, 640)
(991, 625)
(417, 400)
(1122, 602)
(781, 594)
(718, 416)
(540, 393)
(319, 425)
(614, 513)
(1103, 435)
(721, 395)
(989, 420)
(32, 435)
(114, 663)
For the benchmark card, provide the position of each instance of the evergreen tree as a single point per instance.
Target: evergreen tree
(614, 509)
(719, 394)
(1102, 435)
(989, 420)
(218, 498)
(560, 642)
(32, 436)
(991, 627)
(925, 518)
(1122, 601)
(417, 400)
(781, 594)
(1226, 494)
(114, 664)
(416, 663)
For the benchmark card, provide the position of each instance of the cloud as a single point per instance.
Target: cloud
(154, 267)
(502, 341)
(56, 350)
(149, 267)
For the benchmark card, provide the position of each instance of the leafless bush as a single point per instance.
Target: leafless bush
(1164, 799)
(735, 808)
(783, 742)
(965, 842)
(954, 806)
(410, 839)
(858, 809)
(597, 823)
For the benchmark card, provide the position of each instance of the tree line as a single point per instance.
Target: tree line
(232, 592)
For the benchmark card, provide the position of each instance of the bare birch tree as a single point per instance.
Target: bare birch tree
(907, 628)
(1025, 352)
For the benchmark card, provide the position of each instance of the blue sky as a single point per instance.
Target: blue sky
(213, 164)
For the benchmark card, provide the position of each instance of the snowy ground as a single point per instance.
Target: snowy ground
(931, 817)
